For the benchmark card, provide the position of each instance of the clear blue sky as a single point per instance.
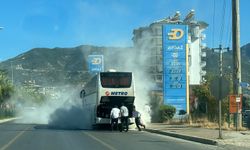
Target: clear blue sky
(69, 23)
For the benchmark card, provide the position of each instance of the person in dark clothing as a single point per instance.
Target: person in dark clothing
(137, 116)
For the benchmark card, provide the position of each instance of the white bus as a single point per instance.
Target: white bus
(104, 91)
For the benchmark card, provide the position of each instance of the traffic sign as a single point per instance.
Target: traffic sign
(233, 104)
(95, 63)
(214, 88)
(237, 99)
(244, 84)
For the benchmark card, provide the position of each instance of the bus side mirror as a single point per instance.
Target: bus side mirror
(82, 93)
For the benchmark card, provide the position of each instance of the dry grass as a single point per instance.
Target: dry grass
(204, 123)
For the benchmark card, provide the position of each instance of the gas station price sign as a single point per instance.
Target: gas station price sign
(175, 66)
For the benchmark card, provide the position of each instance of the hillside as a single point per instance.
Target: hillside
(59, 66)
(212, 60)
(54, 66)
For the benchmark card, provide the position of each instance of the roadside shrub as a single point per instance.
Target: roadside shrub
(166, 112)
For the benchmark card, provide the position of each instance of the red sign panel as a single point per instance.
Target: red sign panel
(233, 104)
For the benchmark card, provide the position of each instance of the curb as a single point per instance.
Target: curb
(6, 120)
(185, 137)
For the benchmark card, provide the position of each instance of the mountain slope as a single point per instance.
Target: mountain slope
(212, 60)
(69, 65)
(53, 66)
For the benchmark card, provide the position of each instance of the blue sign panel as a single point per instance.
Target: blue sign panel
(244, 84)
(95, 63)
(174, 66)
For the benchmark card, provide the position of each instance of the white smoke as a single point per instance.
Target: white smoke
(136, 61)
(143, 82)
(66, 110)
(63, 112)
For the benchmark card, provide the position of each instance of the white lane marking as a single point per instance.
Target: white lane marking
(14, 139)
(100, 141)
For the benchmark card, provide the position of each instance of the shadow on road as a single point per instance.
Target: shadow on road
(52, 127)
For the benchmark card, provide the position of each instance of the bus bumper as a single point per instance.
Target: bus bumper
(108, 121)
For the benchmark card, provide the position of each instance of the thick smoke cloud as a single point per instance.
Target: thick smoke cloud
(137, 61)
(64, 112)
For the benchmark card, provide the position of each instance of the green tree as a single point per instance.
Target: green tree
(6, 88)
(203, 95)
(208, 104)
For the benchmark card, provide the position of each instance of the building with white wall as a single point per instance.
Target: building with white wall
(149, 39)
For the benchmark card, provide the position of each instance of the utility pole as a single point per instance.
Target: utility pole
(221, 50)
(236, 54)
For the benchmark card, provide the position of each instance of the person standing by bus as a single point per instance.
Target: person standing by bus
(137, 116)
(124, 117)
(114, 116)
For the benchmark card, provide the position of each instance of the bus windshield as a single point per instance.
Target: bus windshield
(116, 79)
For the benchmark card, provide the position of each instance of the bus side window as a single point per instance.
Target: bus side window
(82, 93)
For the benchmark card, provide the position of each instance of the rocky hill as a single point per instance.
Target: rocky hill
(69, 65)
(55, 66)
(212, 60)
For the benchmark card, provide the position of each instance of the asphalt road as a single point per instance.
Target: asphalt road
(15, 136)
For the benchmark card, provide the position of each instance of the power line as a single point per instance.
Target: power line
(229, 35)
(222, 21)
(213, 25)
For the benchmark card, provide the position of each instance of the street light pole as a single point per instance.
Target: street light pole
(221, 50)
(220, 94)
